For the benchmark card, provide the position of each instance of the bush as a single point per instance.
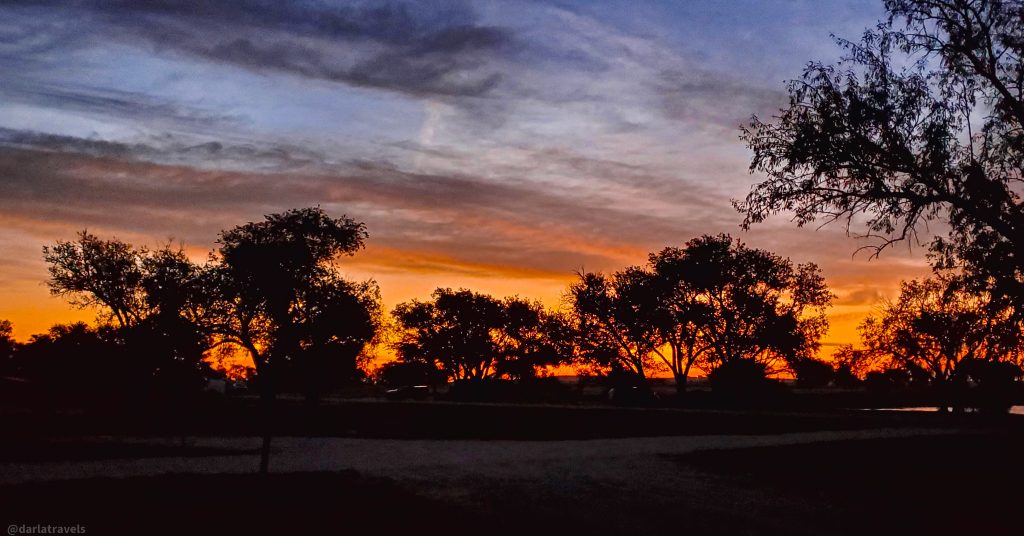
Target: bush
(995, 385)
(482, 390)
(888, 381)
(400, 373)
(813, 373)
(742, 381)
(844, 377)
(498, 390)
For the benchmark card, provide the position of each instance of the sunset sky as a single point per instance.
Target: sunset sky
(498, 146)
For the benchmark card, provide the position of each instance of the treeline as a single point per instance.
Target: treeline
(273, 290)
(942, 334)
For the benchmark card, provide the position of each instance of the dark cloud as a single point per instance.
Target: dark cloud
(108, 102)
(408, 48)
(169, 149)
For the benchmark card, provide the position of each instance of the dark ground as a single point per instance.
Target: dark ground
(969, 480)
(957, 484)
(449, 420)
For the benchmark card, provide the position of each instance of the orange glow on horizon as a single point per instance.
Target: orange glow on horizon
(408, 274)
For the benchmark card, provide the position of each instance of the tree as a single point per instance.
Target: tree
(814, 373)
(681, 315)
(527, 340)
(81, 364)
(402, 373)
(341, 319)
(91, 272)
(614, 318)
(151, 296)
(921, 121)
(275, 289)
(755, 305)
(169, 334)
(939, 330)
(642, 315)
(708, 303)
(7, 345)
(473, 336)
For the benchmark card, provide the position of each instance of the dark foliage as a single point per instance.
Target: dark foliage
(742, 381)
(467, 335)
(401, 373)
(709, 303)
(813, 373)
(920, 122)
(276, 291)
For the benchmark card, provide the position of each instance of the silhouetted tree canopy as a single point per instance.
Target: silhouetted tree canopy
(400, 373)
(935, 328)
(7, 346)
(91, 272)
(274, 288)
(75, 362)
(615, 320)
(468, 335)
(758, 305)
(741, 381)
(153, 298)
(813, 373)
(921, 121)
(708, 303)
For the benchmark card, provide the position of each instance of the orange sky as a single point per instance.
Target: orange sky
(406, 275)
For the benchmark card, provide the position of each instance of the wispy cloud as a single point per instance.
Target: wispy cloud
(478, 219)
(503, 140)
(401, 47)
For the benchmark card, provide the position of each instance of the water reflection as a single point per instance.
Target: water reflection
(1015, 410)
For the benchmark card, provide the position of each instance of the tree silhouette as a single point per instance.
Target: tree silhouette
(83, 365)
(615, 320)
(339, 321)
(472, 336)
(640, 315)
(526, 341)
(682, 315)
(813, 373)
(935, 328)
(275, 289)
(7, 346)
(403, 373)
(753, 304)
(91, 272)
(152, 296)
(711, 302)
(922, 120)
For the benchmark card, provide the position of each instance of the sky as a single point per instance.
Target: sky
(494, 145)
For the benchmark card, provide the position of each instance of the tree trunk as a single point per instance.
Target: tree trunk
(265, 454)
(312, 382)
(267, 411)
(680, 384)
